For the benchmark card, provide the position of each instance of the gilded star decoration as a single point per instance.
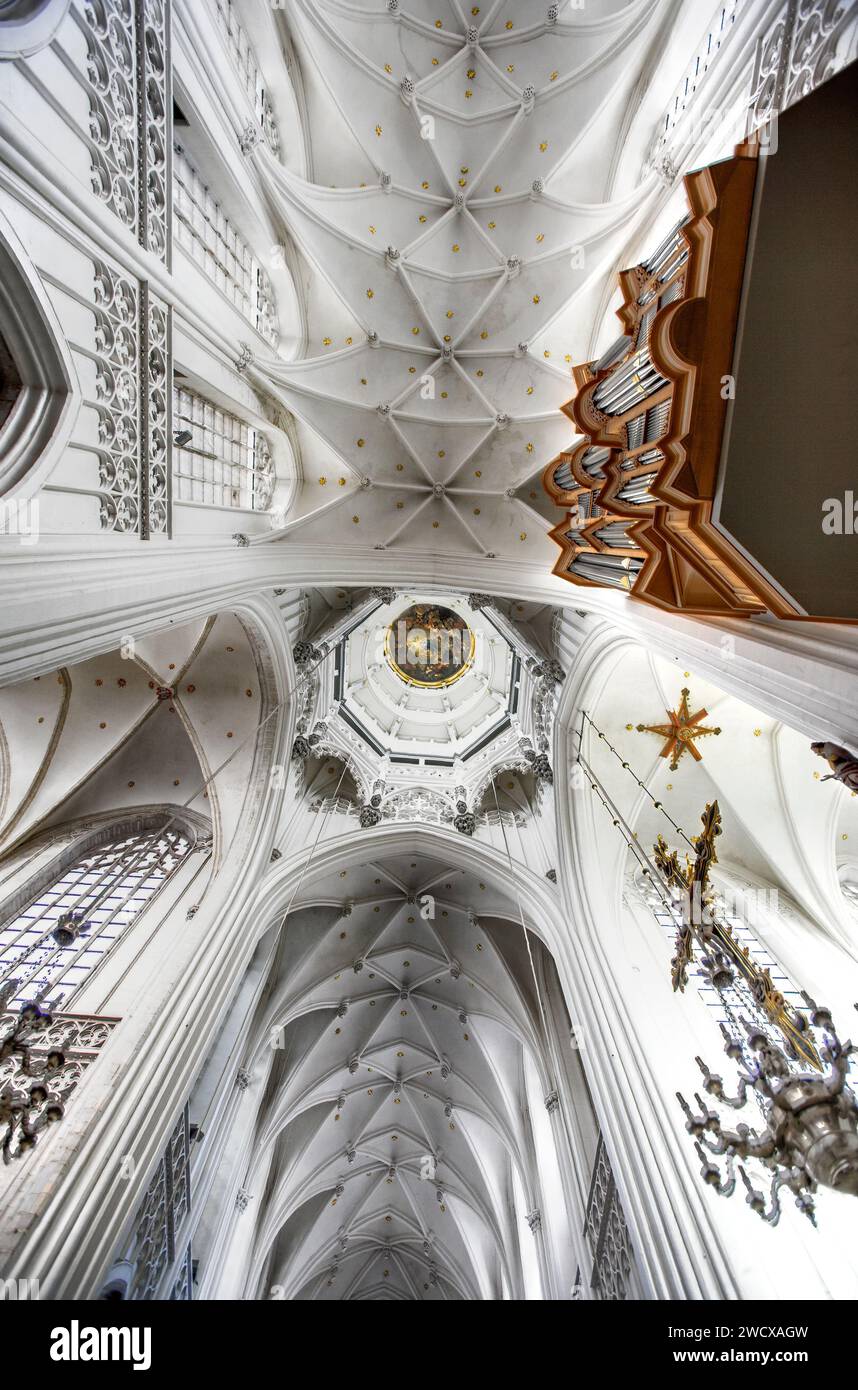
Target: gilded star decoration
(682, 731)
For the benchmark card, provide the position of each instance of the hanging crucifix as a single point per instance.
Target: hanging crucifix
(722, 957)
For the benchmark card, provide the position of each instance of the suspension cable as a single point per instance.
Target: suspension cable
(646, 864)
(253, 733)
(323, 820)
(659, 805)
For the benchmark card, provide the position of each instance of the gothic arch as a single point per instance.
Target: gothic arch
(306, 1008)
(44, 395)
(623, 954)
(484, 796)
(328, 775)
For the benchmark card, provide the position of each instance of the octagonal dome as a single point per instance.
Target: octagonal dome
(428, 676)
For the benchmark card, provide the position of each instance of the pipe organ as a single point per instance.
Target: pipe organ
(640, 490)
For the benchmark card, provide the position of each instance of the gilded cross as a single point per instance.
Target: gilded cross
(722, 955)
(689, 885)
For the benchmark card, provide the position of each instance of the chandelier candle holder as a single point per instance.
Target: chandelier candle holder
(810, 1138)
(43, 1056)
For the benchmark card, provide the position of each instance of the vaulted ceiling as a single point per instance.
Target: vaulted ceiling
(462, 161)
(146, 725)
(396, 1108)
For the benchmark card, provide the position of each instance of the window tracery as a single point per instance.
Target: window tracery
(154, 1263)
(607, 1234)
(49, 946)
(128, 84)
(53, 937)
(132, 339)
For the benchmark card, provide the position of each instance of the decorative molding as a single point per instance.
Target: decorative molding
(130, 121)
(249, 138)
(154, 127)
(128, 83)
(464, 820)
(133, 400)
(245, 358)
(305, 653)
(370, 813)
(156, 411)
(117, 337)
(807, 43)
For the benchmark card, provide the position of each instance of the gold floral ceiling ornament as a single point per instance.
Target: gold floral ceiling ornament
(682, 731)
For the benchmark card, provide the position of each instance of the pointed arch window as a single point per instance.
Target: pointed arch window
(10, 382)
(38, 389)
(50, 944)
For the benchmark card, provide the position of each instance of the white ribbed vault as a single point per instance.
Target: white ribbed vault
(475, 144)
(395, 1127)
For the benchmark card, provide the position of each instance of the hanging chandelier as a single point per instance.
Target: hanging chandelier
(792, 1069)
(810, 1134)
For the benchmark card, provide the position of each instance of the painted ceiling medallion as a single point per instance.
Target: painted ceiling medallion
(681, 732)
(429, 646)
